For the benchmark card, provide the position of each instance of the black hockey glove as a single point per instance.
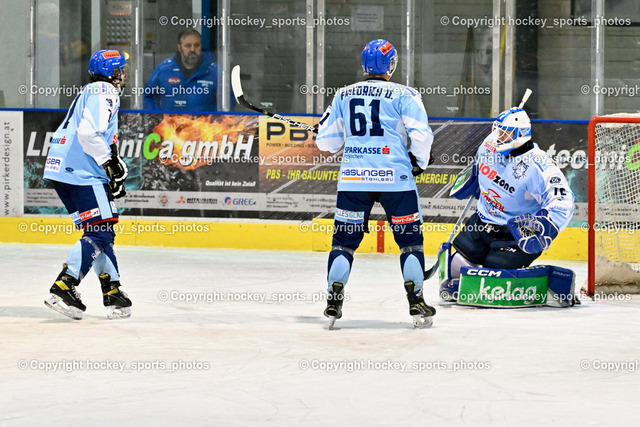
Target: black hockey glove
(416, 170)
(117, 172)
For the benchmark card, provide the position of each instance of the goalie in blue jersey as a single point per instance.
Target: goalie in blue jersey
(374, 121)
(524, 201)
(87, 173)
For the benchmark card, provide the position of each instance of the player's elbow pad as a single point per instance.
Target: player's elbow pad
(466, 185)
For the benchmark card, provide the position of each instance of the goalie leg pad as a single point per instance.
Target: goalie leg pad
(448, 287)
(515, 288)
(561, 287)
(449, 267)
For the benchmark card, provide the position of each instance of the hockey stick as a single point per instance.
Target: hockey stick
(430, 272)
(236, 86)
(525, 97)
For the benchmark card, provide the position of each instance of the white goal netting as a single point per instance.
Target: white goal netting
(616, 200)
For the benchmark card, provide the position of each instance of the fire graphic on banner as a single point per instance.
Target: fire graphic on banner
(189, 143)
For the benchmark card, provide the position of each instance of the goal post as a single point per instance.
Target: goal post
(614, 204)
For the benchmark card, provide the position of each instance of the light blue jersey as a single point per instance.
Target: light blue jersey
(81, 144)
(522, 184)
(373, 119)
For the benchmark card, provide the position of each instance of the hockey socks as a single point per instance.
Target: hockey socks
(95, 245)
(412, 264)
(339, 266)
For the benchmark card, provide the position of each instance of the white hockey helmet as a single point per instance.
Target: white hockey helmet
(511, 129)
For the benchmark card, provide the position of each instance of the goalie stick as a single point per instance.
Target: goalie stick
(525, 97)
(430, 272)
(236, 86)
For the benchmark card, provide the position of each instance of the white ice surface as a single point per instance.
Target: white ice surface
(256, 352)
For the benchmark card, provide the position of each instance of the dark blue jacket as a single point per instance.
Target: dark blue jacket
(169, 89)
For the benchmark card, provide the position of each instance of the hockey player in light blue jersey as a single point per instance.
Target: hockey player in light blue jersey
(524, 201)
(387, 140)
(86, 171)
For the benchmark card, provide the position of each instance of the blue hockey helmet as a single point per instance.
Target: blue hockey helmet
(511, 129)
(107, 65)
(379, 57)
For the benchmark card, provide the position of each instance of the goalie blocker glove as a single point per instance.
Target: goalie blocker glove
(533, 233)
(466, 184)
(117, 172)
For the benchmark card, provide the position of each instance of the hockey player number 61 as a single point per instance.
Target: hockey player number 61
(358, 122)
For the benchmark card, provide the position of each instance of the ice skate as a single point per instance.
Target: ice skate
(334, 303)
(421, 312)
(117, 302)
(64, 298)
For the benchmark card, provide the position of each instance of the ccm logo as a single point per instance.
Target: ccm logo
(486, 273)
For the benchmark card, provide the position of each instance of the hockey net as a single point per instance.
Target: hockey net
(614, 204)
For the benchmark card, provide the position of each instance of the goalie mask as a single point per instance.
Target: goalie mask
(379, 57)
(511, 129)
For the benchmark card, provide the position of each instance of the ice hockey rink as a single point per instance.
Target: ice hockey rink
(237, 356)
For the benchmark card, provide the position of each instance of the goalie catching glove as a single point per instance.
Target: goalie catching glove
(534, 233)
(117, 172)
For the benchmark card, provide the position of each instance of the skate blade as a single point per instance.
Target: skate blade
(420, 322)
(57, 304)
(115, 312)
(332, 321)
